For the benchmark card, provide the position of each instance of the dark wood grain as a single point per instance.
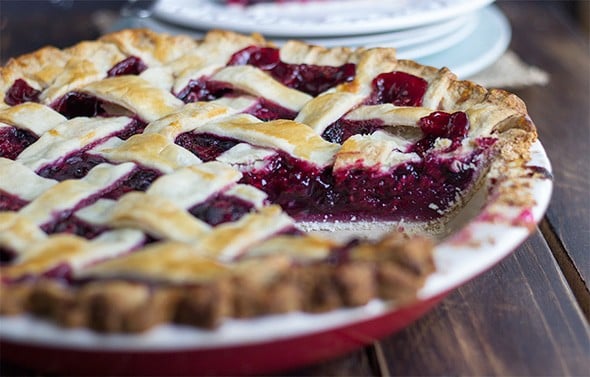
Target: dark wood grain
(360, 363)
(26, 26)
(545, 36)
(519, 318)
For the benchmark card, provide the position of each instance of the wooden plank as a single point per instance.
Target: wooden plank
(357, 363)
(30, 25)
(360, 363)
(519, 318)
(545, 36)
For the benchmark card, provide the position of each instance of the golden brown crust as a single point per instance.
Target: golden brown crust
(392, 270)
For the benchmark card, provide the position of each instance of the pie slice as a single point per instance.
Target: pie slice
(147, 178)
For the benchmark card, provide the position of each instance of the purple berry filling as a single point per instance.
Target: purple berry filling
(412, 191)
(398, 88)
(440, 124)
(68, 223)
(75, 166)
(75, 104)
(130, 66)
(311, 79)
(540, 171)
(9, 202)
(417, 190)
(139, 179)
(6, 256)
(221, 209)
(267, 110)
(300, 188)
(207, 147)
(204, 90)
(21, 92)
(62, 271)
(136, 126)
(14, 140)
(65, 221)
(342, 129)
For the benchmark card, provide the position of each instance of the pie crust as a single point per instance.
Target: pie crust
(136, 181)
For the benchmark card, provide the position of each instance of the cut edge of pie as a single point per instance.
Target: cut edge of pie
(167, 132)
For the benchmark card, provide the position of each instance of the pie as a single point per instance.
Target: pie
(147, 178)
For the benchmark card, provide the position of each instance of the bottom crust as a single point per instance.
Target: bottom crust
(393, 268)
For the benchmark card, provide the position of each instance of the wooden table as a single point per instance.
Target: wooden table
(526, 316)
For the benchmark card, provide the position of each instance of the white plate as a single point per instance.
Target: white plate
(458, 28)
(399, 38)
(410, 44)
(474, 247)
(481, 48)
(432, 46)
(314, 19)
(465, 55)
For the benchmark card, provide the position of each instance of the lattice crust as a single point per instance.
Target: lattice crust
(112, 202)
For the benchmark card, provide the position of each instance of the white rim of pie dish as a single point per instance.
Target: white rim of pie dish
(458, 260)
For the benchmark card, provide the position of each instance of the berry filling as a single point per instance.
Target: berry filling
(130, 66)
(139, 179)
(300, 188)
(203, 90)
(75, 104)
(267, 110)
(9, 202)
(418, 190)
(79, 104)
(540, 171)
(398, 88)
(14, 140)
(221, 209)
(21, 92)
(136, 126)
(342, 129)
(75, 166)
(65, 221)
(68, 223)
(6, 256)
(62, 271)
(311, 79)
(440, 124)
(207, 147)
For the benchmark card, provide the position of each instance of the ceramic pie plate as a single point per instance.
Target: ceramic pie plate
(476, 242)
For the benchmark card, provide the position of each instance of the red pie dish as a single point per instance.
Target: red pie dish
(180, 199)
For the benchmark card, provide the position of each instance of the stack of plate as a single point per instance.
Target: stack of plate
(464, 35)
